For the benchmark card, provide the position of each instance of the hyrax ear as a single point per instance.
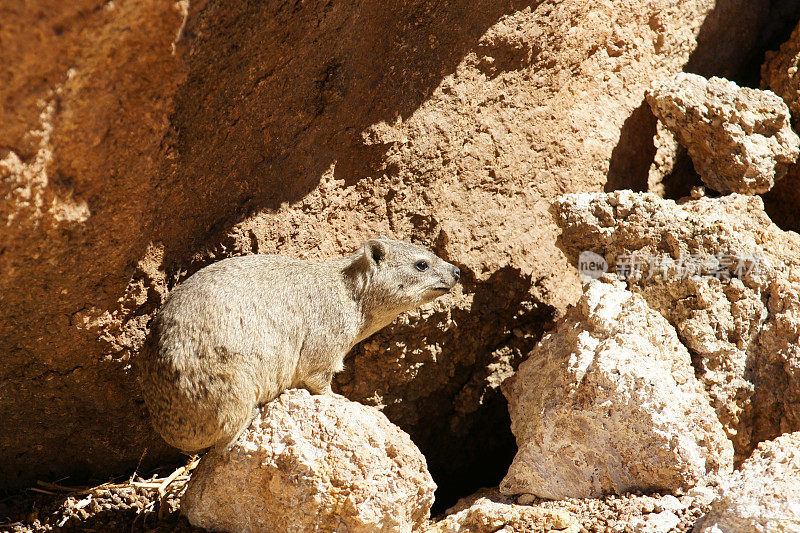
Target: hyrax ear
(375, 252)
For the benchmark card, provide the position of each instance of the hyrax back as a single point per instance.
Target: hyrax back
(241, 331)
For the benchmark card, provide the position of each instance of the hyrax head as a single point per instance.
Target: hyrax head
(400, 276)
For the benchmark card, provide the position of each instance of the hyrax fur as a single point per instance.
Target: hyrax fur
(239, 332)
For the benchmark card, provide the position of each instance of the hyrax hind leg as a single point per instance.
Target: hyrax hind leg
(320, 383)
(234, 424)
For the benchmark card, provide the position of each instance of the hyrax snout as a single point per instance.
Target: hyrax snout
(237, 333)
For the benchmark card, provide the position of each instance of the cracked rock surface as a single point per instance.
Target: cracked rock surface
(725, 277)
(608, 403)
(779, 73)
(763, 496)
(740, 139)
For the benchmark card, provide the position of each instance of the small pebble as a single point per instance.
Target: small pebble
(662, 522)
(702, 495)
(668, 503)
(526, 499)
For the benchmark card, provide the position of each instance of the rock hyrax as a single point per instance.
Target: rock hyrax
(239, 332)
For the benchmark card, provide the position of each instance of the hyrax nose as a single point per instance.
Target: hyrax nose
(456, 273)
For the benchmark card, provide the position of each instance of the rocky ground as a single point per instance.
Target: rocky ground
(617, 181)
(136, 506)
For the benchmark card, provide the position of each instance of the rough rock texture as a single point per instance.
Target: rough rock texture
(779, 73)
(484, 515)
(608, 402)
(141, 140)
(725, 277)
(313, 463)
(781, 202)
(490, 511)
(763, 496)
(739, 139)
(662, 522)
(125, 507)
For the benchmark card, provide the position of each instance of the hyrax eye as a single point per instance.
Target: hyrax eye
(422, 266)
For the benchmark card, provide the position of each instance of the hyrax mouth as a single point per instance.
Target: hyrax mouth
(443, 288)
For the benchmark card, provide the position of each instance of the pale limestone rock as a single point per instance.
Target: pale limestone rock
(702, 495)
(763, 496)
(608, 402)
(313, 463)
(485, 514)
(725, 277)
(740, 139)
(490, 493)
(662, 522)
(668, 502)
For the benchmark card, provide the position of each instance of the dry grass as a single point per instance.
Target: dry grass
(137, 499)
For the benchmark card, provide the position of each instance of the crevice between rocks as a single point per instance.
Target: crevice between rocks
(451, 403)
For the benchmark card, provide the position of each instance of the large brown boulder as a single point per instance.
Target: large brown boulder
(139, 141)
